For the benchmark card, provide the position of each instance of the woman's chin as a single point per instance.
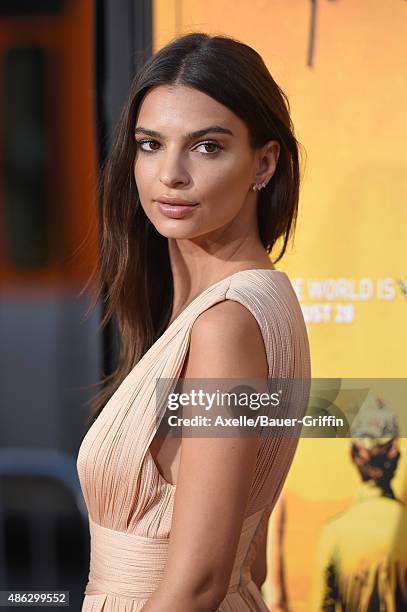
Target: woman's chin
(177, 229)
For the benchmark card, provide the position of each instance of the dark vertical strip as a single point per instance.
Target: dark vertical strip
(100, 77)
(142, 35)
(123, 42)
(311, 41)
(99, 64)
(26, 157)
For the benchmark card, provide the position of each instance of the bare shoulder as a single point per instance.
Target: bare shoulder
(226, 341)
(236, 315)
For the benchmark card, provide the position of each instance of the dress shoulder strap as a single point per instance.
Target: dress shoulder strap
(270, 297)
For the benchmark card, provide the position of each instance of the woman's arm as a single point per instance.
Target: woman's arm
(215, 474)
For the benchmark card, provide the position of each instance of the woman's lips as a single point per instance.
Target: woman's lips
(175, 211)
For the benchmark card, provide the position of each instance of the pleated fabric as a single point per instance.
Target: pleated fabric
(130, 503)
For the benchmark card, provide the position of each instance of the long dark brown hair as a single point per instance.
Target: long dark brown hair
(134, 266)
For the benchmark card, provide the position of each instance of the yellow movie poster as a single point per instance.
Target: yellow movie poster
(337, 537)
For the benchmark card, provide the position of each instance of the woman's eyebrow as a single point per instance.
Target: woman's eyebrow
(218, 129)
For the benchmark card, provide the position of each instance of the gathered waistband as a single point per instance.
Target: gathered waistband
(130, 565)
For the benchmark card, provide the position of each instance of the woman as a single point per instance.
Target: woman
(202, 180)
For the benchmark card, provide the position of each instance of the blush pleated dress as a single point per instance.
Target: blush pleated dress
(130, 503)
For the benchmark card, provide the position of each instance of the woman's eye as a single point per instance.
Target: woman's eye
(140, 144)
(210, 144)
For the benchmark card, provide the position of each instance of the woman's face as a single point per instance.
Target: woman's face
(214, 170)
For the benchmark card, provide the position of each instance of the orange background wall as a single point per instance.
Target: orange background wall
(349, 113)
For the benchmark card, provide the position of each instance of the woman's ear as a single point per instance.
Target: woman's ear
(267, 161)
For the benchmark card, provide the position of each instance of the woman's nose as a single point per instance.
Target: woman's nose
(173, 172)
